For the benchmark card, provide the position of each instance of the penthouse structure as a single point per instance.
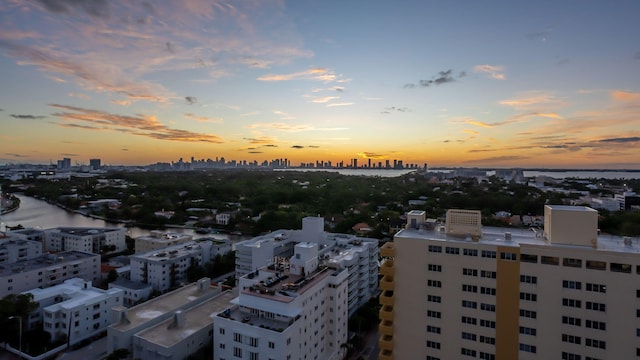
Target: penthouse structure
(167, 268)
(358, 255)
(458, 290)
(289, 310)
(157, 240)
(73, 310)
(93, 240)
(171, 326)
(48, 270)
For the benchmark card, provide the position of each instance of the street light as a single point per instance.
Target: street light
(19, 334)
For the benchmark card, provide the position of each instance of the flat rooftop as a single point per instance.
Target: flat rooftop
(496, 236)
(170, 252)
(128, 284)
(196, 318)
(163, 304)
(78, 231)
(45, 261)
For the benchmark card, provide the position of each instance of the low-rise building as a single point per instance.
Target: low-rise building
(48, 270)
(166, 269)
(14, 248)
(93, 240)
(158, 240)
(74, 310)
(133, 292)
(129, 326)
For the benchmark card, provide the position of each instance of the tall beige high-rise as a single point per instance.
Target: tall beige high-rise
(457, 290)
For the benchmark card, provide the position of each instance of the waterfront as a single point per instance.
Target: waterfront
(38, 214)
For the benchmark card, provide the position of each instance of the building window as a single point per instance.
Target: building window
(488, 307)
(469, 272)
(434, 298)
(221, 331)
(487, 356)
(434, 283)
(596, 265)
(429, 357)
(623, 268)
(237, 352)
(598, 325)
(571, 303)
(571, 321)
(469, 320)
(468, 352)
(433, 329)
(470, 252)
(528, 296)
(488, 274)
(528, 348)
(549, 260)
(529, 258)
(237, 337)
(469, 304)
(568, 284)
(487, 290)
(433, 344)
(468, 336)
(596, 306)
(527, 331)
(508, 256)
(570, 262)
(222, 346)
(597, 288)
(528, 313)
(488, 323)
(452, 250)
(435, 248)
(570, 356)
(488, 254)
(436, 268)
(470, 288)
(572, 339)
(434, 314)
(487, 340)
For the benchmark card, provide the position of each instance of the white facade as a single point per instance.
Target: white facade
(74, 310)
(132, 292)
(292, 310)
(223, 218)
(358, 255)
(93, 240)
(14, 248)
(48, 270)
(167, 268)
(158, 240)
(561, 293)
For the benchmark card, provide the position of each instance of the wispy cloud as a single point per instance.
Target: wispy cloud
(512, 120)
(141, 125)
(27, 117)
(316, 74)
(324, 99)
(620, 95)
(541, 36)
(340, 104)
(281, 127)
(203, 118)
(494, 71)
(283, 115)
(391, 109)
(443, 77)
(496, 159)
(532, 99)
(261, 140)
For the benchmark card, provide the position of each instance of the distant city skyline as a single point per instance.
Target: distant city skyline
(466, 84)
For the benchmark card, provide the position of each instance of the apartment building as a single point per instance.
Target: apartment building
(157, 240)
(289, 310)
(162, 327)
(166, 269)
(459, 290)
(358, 255)
(48, 270)
(14, 248)
(93, 240)
(73, 310)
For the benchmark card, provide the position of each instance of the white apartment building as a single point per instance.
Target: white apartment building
(296, 309)
(132, 292)
(166, 269)
(48, 270)
(93, 240)
(460, 290)
(146, 330)
(158, 240)
(14, 248)
(74, 310)
(358, 255)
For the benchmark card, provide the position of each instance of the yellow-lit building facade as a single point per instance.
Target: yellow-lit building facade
(457, 290)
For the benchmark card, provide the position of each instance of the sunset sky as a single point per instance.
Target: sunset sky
(448, 83)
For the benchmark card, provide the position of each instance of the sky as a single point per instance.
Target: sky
(552, 84)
